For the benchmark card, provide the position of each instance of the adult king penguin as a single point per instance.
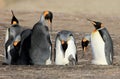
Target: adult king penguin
(40, 43)
(11, 34)
(65, 49)
(102, 45)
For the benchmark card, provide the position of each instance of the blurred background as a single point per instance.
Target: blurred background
(65, 6)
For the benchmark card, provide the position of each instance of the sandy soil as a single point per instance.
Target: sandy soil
(69, 18)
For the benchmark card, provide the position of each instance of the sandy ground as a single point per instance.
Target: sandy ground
(70, 18)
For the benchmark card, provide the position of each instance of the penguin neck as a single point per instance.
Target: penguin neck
(42, 19)
(100, 28)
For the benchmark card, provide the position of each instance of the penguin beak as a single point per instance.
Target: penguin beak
(84, 49)
(15, 43)
(93, 22)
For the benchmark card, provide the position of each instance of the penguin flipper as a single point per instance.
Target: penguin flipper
(108, 46)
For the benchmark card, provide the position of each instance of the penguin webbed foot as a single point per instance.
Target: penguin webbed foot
(72, 61)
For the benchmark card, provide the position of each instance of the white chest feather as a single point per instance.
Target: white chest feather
(6, 36)
(62, 59)
(98, 48)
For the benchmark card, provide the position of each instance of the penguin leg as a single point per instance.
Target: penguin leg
(71, 60)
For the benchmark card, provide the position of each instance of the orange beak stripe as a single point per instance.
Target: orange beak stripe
(85, 49)
(93, 23)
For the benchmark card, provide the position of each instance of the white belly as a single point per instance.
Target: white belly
(98, 49)
(60, 59)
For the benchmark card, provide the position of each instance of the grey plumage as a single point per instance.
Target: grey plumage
(108, 45)
(11, 34)
(41, 46)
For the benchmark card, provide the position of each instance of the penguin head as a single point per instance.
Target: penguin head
(14, 20)
(84, 44)
(17, 40)
(48, 16)
(96, 24)
(64, 37)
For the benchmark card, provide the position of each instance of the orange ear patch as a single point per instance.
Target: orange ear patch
(45, 13)
(15, 43)
(102, 25)
(14, 22)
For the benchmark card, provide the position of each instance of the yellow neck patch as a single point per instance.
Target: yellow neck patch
(94, 31)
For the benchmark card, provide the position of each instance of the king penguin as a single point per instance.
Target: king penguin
(84, 43)
(102, 45)
(31, 51)
(40, 49)
(11, 34)
(65, 49)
